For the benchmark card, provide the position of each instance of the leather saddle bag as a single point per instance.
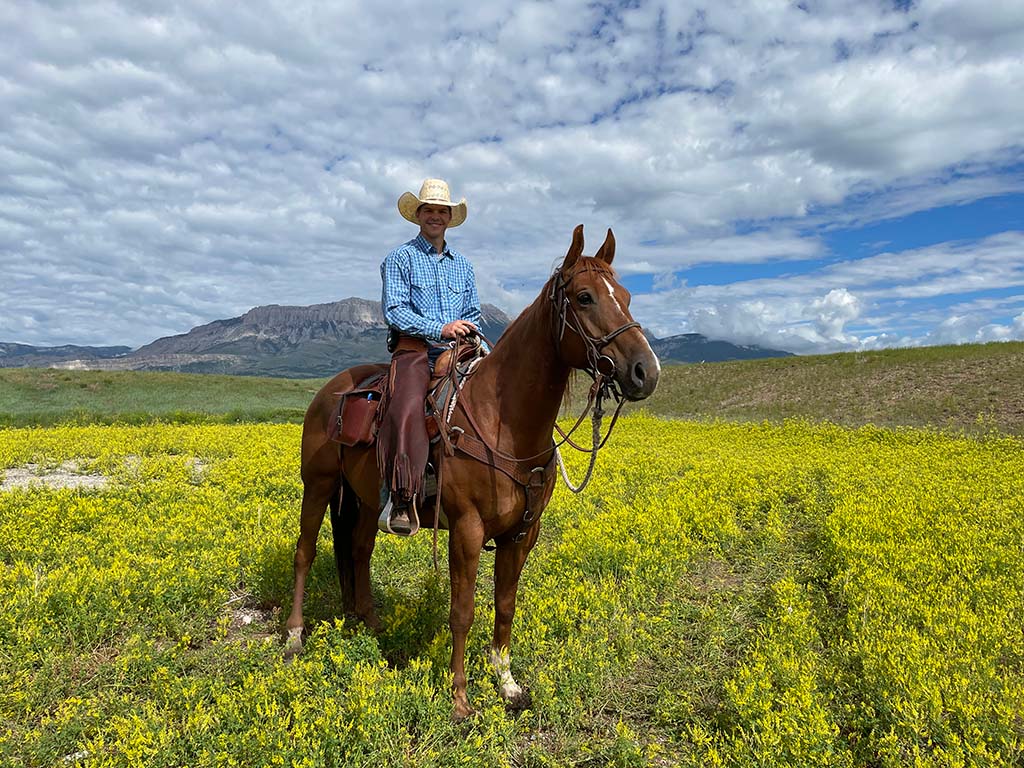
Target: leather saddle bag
(358, 422)
(358, 414)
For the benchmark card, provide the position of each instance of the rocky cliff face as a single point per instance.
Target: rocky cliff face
(313, 341)
(273, 327)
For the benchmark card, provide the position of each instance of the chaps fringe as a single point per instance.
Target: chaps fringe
(405, 482)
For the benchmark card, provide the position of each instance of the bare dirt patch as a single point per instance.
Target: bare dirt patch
(67, 475)
(247, 619)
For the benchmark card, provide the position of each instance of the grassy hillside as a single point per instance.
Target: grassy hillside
(974, 387)
(41, 397)
(971, 387)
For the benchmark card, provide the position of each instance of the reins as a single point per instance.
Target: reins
(597, 443)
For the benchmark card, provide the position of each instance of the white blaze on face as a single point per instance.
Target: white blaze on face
(611, 292)
(657, 362)
(502, 664)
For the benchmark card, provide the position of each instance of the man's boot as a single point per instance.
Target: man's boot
(399, 517)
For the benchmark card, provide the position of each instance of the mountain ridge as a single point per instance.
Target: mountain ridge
(306, 342)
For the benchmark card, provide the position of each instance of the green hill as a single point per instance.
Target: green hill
(971, 386)
(975, 387)
(42, 397)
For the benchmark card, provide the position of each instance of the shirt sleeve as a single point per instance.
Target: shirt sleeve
(396, 300)
(471, 308)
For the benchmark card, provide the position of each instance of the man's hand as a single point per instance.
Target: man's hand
(457, 328)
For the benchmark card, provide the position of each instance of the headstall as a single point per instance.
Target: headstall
(599, 364)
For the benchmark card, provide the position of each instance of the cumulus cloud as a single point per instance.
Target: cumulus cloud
(936, 295)
(964, 329)
(798, 325)
(165, 165)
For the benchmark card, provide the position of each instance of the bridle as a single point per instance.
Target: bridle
(598, 363)
(600, 367)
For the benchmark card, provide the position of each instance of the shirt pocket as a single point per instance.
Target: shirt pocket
(422, 294)
(458, 295)
(458, 288)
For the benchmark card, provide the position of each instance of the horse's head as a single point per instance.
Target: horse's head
(593, 327)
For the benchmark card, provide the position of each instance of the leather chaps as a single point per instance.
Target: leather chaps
(402, 443)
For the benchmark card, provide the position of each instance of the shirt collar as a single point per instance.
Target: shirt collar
(427, 247)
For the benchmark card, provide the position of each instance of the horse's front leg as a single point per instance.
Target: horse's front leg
(465, 541)
(508, 566)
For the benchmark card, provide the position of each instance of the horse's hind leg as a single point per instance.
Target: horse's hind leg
(315, 496)
(364, 536)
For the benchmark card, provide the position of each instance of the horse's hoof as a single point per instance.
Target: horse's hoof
(518, 701)
(293, 643)
(462, 711)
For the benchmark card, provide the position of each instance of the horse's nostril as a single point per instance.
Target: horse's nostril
(638, 373)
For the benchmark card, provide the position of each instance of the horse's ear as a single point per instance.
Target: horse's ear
(607, 252)
(575, 249)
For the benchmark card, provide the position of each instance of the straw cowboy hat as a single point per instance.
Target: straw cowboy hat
(433, 192)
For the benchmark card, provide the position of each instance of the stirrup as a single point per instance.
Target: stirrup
(384, 521)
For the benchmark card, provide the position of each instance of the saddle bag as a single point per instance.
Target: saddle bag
(357, 420)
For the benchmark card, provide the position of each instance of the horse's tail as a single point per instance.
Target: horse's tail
(344, 513)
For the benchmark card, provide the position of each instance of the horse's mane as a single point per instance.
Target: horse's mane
(542, 304)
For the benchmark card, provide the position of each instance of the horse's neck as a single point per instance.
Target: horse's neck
(517, 389)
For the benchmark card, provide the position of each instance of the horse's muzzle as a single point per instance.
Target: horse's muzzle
(637, 377)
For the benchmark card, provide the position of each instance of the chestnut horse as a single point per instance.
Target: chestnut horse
(581, 320)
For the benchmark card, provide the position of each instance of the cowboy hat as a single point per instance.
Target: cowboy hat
(433, 192)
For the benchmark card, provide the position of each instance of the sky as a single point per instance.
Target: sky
(815, 176)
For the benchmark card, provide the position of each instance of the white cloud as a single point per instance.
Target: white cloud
(892, 299)
(962, 330)
(166, 165)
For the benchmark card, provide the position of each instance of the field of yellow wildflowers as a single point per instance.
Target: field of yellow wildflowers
(721, 594)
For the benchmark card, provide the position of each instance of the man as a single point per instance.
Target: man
(429, 297)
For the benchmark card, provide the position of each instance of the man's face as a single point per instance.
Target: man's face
(433, 220)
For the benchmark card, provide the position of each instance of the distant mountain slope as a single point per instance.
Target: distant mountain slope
(317, 340)
(272, 329)
(695, 348)
(305, 342)
(27, 356)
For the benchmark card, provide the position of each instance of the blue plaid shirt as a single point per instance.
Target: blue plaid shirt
(424, 289)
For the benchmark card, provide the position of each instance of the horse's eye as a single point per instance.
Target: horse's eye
(585, 298)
